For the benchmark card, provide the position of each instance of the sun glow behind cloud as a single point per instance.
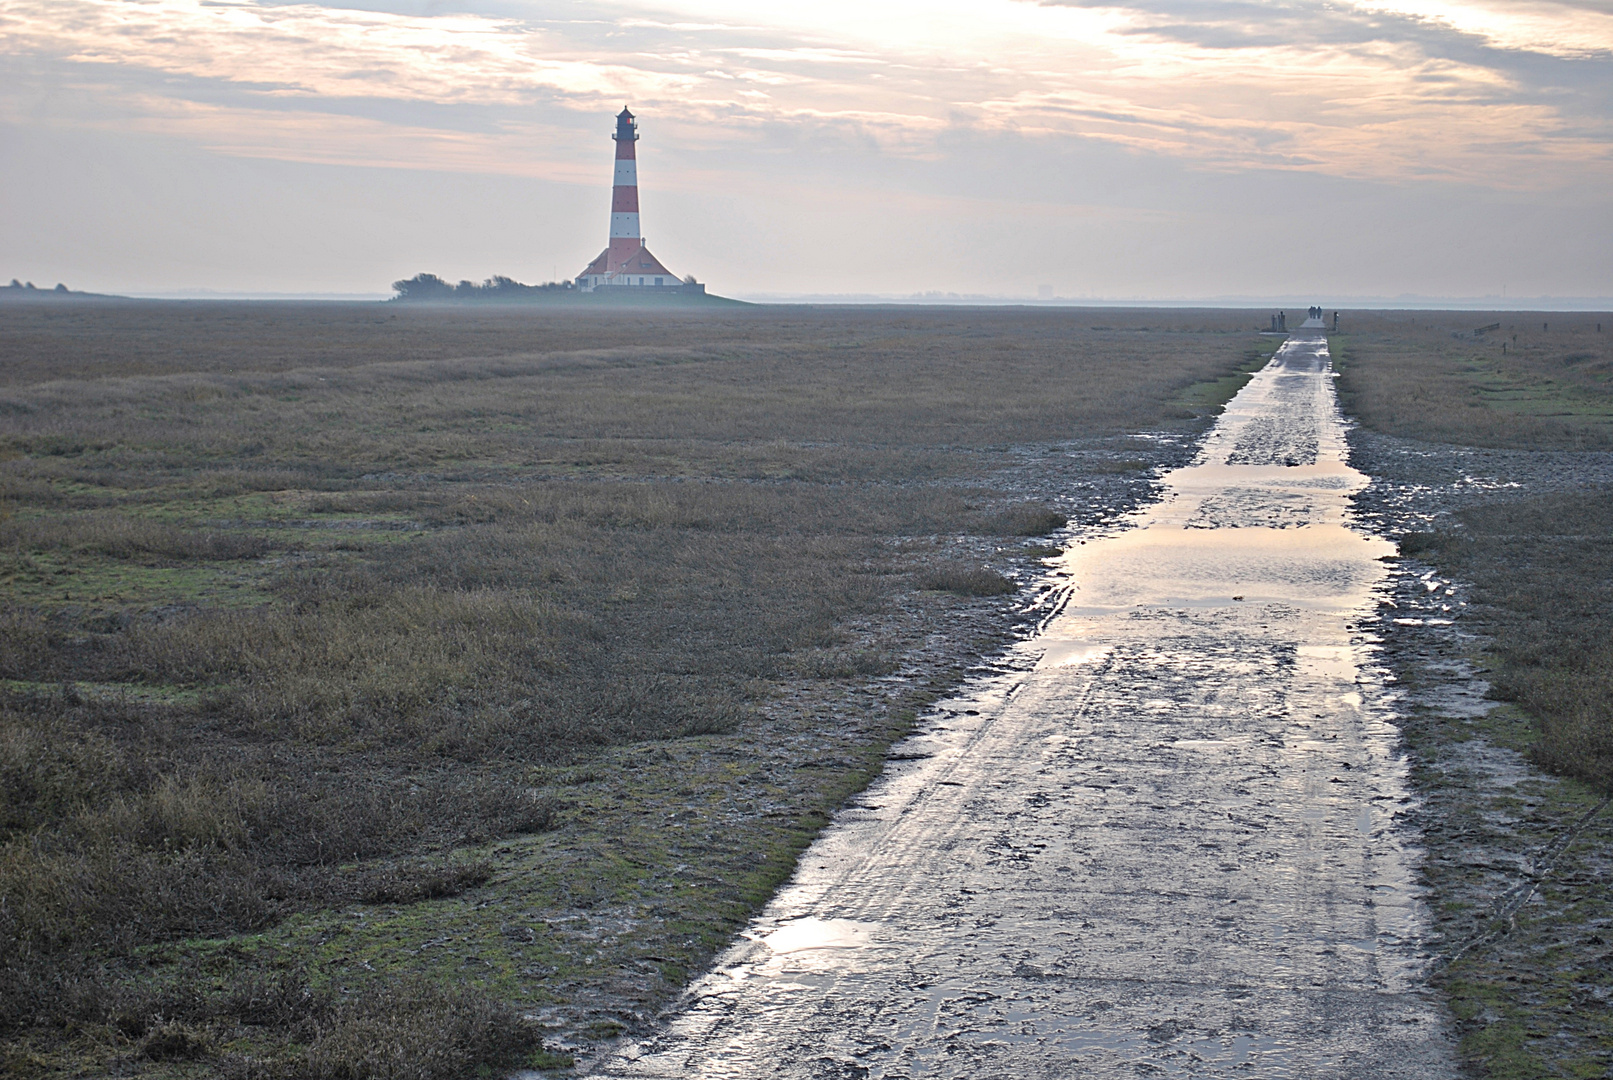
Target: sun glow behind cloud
(1551, 29)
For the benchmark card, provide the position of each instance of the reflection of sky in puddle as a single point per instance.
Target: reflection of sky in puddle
(1071, 653)
(1262, 517)
(1325, 566)
(809, 933)
(811, 942)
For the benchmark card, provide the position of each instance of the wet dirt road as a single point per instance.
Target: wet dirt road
(1161, 842)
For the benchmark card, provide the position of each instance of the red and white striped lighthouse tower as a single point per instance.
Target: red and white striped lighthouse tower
(626, 262)
(624, 237)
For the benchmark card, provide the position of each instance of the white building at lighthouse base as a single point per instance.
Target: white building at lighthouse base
(637, 270)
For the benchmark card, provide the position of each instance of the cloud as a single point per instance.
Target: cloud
(1381, 88)
(806, 56)
(1564, 30)
(314, 51)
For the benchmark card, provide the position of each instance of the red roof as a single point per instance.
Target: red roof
(639, 262)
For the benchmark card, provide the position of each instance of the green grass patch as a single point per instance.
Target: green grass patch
(1530, 1004)
(57, 580)
(111, 692)
(1211, 395)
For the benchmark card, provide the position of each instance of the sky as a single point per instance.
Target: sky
(1151, 150)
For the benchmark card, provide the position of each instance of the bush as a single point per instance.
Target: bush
(417, 1030)
(966, 581)
(174, 1042)
(1031, 519)
(410, 884)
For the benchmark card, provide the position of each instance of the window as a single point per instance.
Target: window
(660, 281)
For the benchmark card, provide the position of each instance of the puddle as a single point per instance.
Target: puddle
(1160, 841)
(1067, 653)
(811, 933)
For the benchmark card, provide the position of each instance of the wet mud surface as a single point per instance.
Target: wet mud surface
(1167, 837)
(1519, 866)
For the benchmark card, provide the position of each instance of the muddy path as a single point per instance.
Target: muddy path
(1163, 839)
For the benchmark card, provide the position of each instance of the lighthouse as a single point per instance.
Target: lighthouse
(626, 263)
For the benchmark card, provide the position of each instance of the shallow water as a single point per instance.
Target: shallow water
(1162, 842)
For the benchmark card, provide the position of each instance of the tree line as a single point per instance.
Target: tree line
(430, 287)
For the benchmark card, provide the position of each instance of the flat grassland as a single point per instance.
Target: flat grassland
(1544, 563)
(386, 691)
(1531, 998)
(1539, 381)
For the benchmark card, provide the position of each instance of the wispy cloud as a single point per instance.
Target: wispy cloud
(313, 51)
(1377, 88)
(1560, 29)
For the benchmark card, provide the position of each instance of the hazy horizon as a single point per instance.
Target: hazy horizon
(1153, 151)
(940, 299)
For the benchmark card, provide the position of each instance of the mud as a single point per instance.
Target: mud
(1519, 863)
(1166, 837)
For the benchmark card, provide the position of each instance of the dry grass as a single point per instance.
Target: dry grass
(1544, 571)
(415, 1030)
(300, 595)
(406, 1029)
(1426, 375)
(965, 580)
(1541, 564)
(120, 536)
